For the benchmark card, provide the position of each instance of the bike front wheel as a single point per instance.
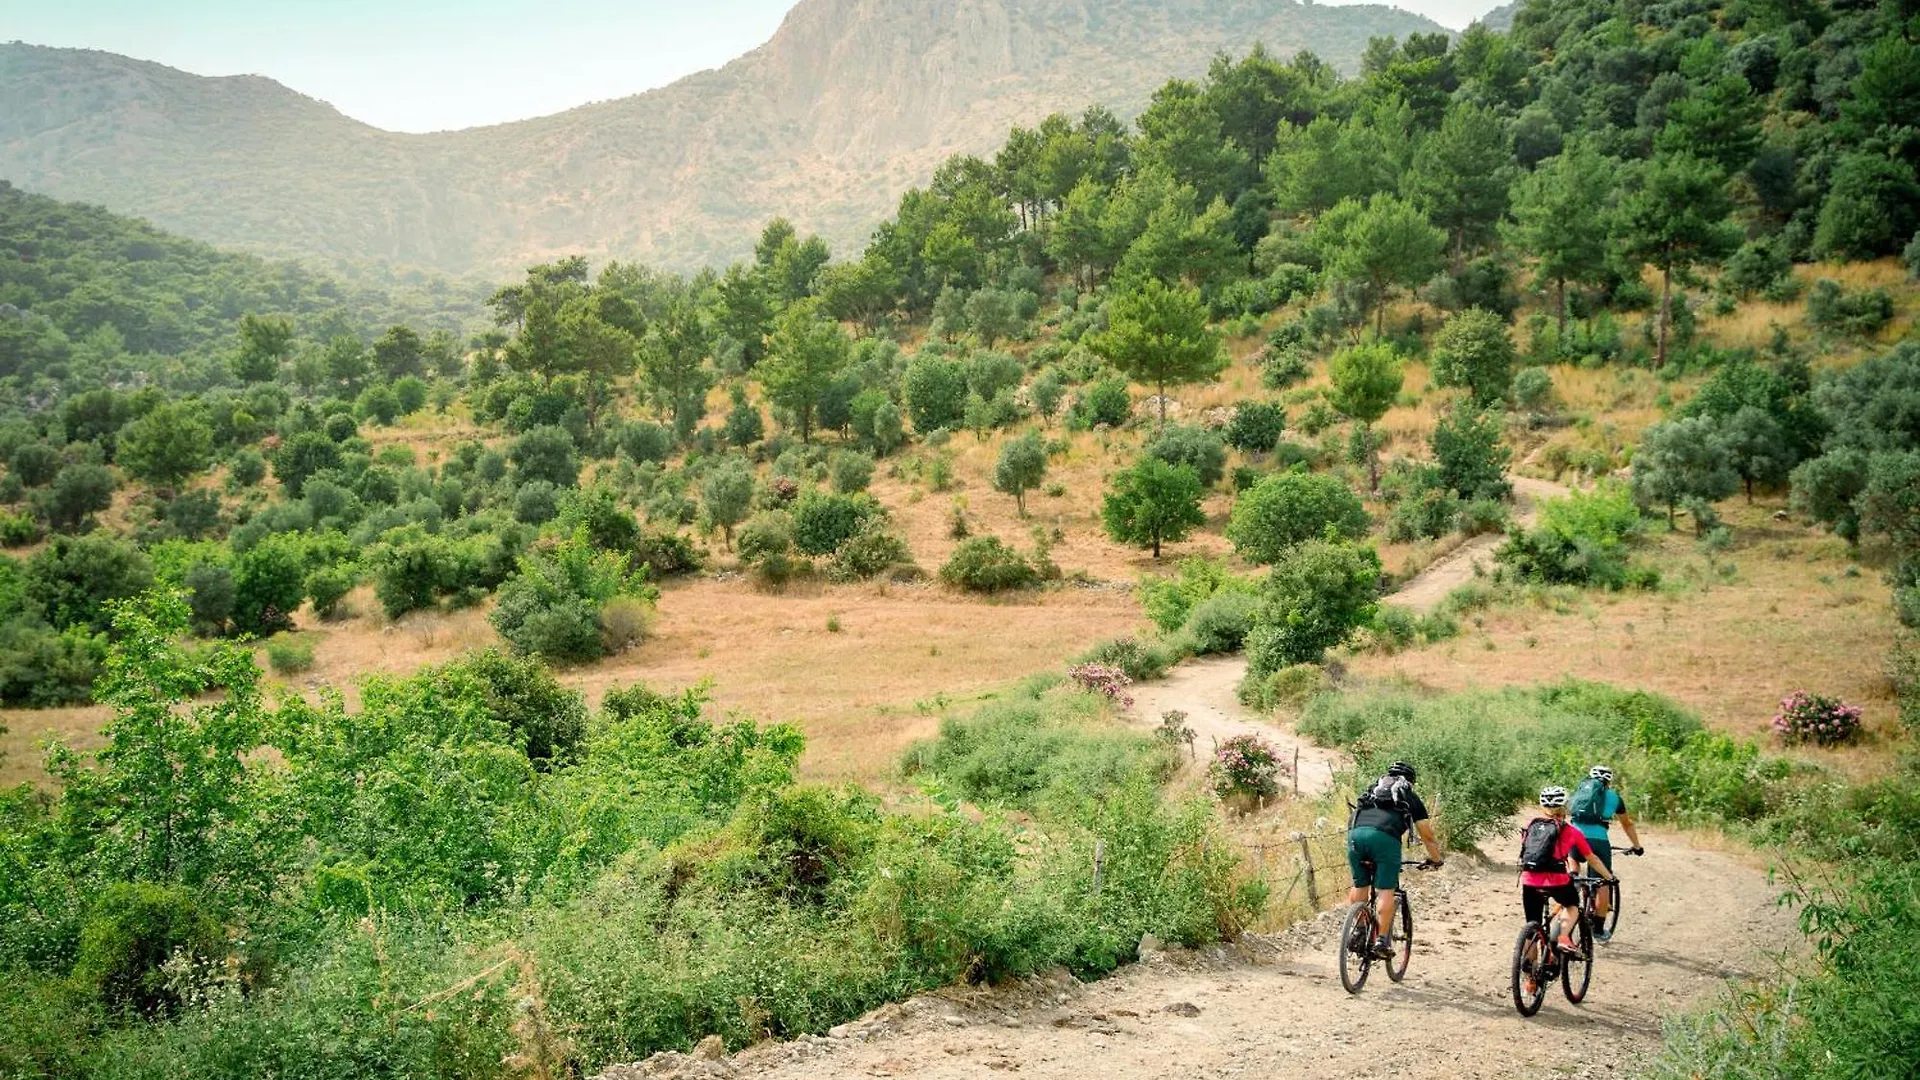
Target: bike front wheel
(1532, 953)
(1356, 946)
(1402, 949)
(1613, 908)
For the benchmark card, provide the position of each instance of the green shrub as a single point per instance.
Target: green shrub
(1104, 402)
(823, 520)
(1221, 622)
(552, 607)
(1313, 600)
(1580, 539)
(873, 550)
(1849, 312)
(1288, 508)
(131, 930)
(988, 564)
(1169, 601)
(1197, 448)
(852, 471)
(289, 654)
(1256, 426)
(1141, 660)
(328, 586)
(1290, 686)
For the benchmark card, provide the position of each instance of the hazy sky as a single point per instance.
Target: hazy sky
(424, 65)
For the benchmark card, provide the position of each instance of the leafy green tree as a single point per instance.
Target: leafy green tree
(379, 403)
(265, 342)
(1256, 426)
(1159, 334)
(1461, 174)
(300, 457)
(673, 358)
(1681, 460)
(1471, 458)
(1195, 447)
(1675, 217)
(398, 353)
(1378, 245)
(1181, 133)
(546, 453)
(1760, 449)
(345, 358)
(1826, 487)
(166, 446)
(744, 425)
(809, 353)
(1871, 209)
(822, 520)
(171, 798)
(35, 463)
(1475, 350)
(71, 581)
(269, 584)
(553, 606)
(1151, 504)
(727, 494)
(1718, 120)
(744, 313)
(936, 389)
(1366, 380)
(1289, 508)
(80, 491)
(1020, 468)
(1313, 599)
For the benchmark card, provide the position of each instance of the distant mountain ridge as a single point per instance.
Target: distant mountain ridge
(849, 103)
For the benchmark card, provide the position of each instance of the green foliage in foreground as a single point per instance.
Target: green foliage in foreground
(465, 873)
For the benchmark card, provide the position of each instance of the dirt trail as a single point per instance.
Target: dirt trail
(1455, 568)
(1275, 1007)
(1204, 689)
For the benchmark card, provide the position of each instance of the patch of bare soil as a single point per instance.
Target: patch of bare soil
(1275, 1007)
(1205, 689)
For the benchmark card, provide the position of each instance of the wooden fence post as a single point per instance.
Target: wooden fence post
(1099, 858)
(1306, 860)
(1296, 770)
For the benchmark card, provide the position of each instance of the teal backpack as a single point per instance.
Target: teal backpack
(1589, 803)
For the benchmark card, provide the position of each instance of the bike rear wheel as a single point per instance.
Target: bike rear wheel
(1576, 972)
(1532, 952)
(1403, 948)
(1356, 946)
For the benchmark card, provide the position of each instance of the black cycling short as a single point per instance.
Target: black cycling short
(1534, 899)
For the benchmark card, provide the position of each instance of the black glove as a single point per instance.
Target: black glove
(1636, 851)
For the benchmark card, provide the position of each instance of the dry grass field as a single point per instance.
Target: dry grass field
(1787, 608)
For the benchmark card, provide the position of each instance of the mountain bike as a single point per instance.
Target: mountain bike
(1590, 888)
(1362, 926)
(1538, 961)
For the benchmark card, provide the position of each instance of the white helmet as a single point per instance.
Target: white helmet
(1601, 772)
(1551, 797)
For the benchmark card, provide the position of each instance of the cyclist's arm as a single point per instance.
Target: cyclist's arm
(1626, 822)
(1425, 829)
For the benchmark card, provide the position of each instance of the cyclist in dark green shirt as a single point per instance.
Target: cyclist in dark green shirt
(1384, 814)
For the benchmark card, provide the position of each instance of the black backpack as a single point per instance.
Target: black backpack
(1390, 793)
(1538, 844)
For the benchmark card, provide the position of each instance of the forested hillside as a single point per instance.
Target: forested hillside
(88, 298)
(848, 104)
(1298, 331)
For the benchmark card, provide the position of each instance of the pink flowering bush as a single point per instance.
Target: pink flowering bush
(1104, 679)
(1247, 765)
(1815, 718)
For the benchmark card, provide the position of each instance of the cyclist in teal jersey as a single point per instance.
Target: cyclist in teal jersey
(1593, 825)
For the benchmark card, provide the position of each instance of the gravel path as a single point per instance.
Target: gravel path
(1275, 1008)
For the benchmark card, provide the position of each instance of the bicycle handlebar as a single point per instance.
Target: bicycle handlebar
(1419, 864)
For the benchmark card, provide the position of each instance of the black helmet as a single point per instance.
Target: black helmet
(1401, 768)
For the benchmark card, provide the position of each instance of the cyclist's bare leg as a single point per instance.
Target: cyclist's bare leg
(1383, 906)
(1564, 920)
